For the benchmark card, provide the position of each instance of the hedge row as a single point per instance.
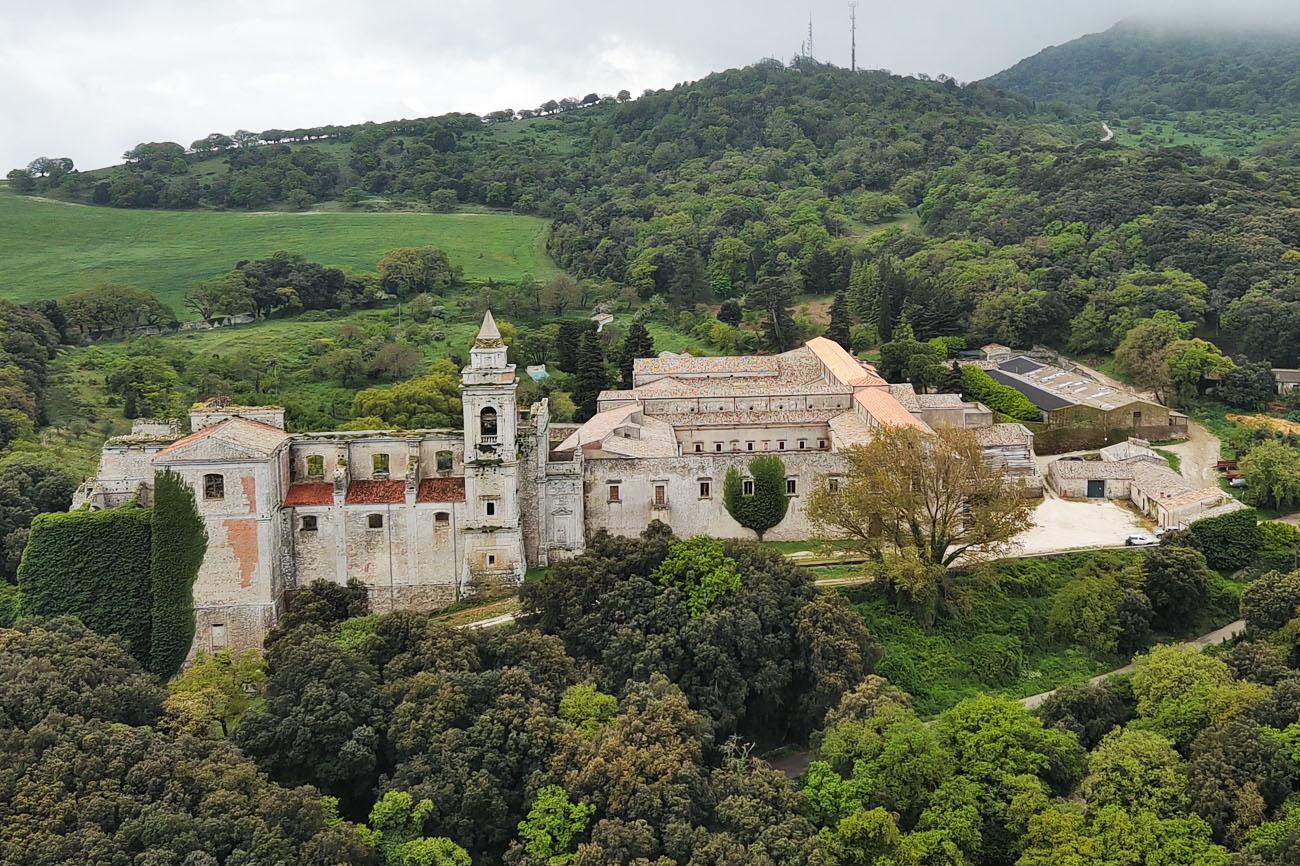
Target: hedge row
(128, 571)
(95, 566)
(1229, 541)
(179, 543)
(979, 385)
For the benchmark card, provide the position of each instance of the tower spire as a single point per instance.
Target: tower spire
(488, 334)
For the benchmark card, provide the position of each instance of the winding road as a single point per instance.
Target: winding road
(1110, 133)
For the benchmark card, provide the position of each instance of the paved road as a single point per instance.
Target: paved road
(794, 763)
(1218, 636)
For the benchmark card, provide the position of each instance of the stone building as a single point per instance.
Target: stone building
(424, 518)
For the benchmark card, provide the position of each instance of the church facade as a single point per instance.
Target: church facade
(430, 517)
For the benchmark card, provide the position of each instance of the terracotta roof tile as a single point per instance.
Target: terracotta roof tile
(376, 492)
(843, 367)
(310, 493)
(887, 411)
(441, 490)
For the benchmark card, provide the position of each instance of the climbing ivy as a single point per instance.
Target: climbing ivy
(766, 506)
(179, 542)
(1228, 541)
(95, 566)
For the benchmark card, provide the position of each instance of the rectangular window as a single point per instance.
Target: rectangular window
(699, 446)
(749, 446)
(780, 444)
(444, 460)
(661, 494)
(821, 443)
(491, 559)
(833, 485)
(613, 493)
(802, 444)
(791, 487)
(214, 486)
(706, 489)
(309, 523)
(379, 463)
(315, 466)
(218, 635)
(747, 487)
(490, 508)
(717, 446)
(375, 521)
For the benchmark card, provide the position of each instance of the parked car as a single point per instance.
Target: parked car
(1142, 540)
(1237, 482)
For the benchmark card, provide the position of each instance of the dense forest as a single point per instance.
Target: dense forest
(618, 723)
(1145, 69)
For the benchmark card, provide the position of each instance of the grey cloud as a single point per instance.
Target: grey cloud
(89, 79)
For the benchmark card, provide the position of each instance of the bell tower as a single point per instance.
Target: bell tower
(494, 549)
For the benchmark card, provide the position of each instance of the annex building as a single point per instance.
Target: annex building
(425, 518)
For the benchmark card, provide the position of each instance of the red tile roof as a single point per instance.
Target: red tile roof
(441, 490)
(375, 492)
(310, 493)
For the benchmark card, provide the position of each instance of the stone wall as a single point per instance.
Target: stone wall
(687, 512)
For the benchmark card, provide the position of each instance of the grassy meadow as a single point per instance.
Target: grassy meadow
(48, 248)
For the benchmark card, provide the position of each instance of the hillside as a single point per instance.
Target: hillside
(50, 248)
(1222, 89)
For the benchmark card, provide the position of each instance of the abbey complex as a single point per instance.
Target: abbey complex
(425, 518)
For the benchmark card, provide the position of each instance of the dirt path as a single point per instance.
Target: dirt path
(1110, 133)
(1198, 455)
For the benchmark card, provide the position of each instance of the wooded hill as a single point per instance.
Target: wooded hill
(1218, 87)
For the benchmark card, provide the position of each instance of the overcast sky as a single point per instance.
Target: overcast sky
(90, 78)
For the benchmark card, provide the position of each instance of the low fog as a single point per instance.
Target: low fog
(87, 80)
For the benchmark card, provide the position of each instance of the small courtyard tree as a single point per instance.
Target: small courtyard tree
(917, 503)
(757, 503)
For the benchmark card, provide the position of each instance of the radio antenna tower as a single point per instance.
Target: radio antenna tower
(853, 35)
(808, 50)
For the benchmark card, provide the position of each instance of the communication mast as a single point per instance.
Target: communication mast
(853, 35)
(809, 51)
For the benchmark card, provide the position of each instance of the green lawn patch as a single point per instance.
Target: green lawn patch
(996, 638)
(48, 249)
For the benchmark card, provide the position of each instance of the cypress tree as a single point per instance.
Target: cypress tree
(637, 344)
(841, 321)
(567, 344)
(591, 378)
(766, 506)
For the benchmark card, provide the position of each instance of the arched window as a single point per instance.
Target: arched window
(214, 486)
(487, 422)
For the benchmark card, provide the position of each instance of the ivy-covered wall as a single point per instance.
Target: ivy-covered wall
(94, 565)
(127, 571)
(179, 542)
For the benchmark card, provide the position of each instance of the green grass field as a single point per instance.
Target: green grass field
(48, 249)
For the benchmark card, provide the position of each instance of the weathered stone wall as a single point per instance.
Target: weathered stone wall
(754, 439)
(687, 512)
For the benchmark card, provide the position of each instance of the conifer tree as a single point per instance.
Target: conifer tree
(729, 313)
(637, 344)
(765, 507)
(591, 377)
(841, 321)
(772, 298)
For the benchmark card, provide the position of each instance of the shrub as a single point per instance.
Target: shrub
(1271, 602)
(95, 566)
(1228, 541)
(979, 385)
(179, 543)
(766, 506)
